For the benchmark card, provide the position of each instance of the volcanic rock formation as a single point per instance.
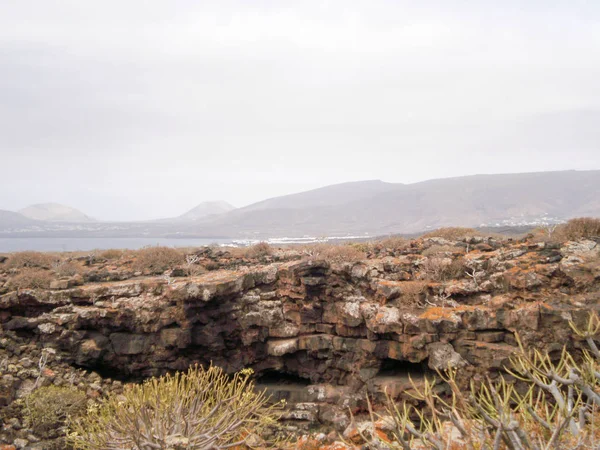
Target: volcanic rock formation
(316, 333)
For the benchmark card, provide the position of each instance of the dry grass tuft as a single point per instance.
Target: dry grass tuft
(336, 253)
(452, 233)
(31, 279)
(30, 259)
(412, 290)
(67, 269)
(156, 260)
(394, 243)
(257, 251)
(111, 254)
(442, 250)
(580, 228)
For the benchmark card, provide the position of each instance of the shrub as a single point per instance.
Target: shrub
(452, 233)
(67, 268)
(443, 250)
(156, 260)
(583, 227)
(200, 409)
(439, 268)
(192, 266)
(336, 253)
(412, 290)
(50, 407)
(434, 267)
(31, 279)
(30, 259)
(394, 243)
(260, 250)
(212, 265)
(111, 254)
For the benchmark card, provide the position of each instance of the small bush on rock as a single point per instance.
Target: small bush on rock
(442, 250)
(112, 254)
(30, 259)
(67, 269)
(156, 260)
(580, 228)
(336, 253)
(259, 250)
(393, 243)
(31, 279)
(200, 409)
(50, 407)
(452, 233)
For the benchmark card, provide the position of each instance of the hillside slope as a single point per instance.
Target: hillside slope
(55, 212)
(206, 209)
(10, 219)
(379, 208)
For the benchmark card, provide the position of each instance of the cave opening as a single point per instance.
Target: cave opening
(396, 377)
(282, 385)
(280, 377)
(400, 368)
(108, 372)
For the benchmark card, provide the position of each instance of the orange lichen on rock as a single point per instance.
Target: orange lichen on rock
(442, 313)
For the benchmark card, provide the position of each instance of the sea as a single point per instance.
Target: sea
(87, 244)
(54, 244)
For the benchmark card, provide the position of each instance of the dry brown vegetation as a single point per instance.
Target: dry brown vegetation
(452, 233)
(444, 250)
(444, 268)
(111, 254)
(412, 290)
(256, 251)
(31, 279)
(574, 229)
(580, 228)
(335, 253)
(30, 259)
(67, 268)
(156, 260)
(394, 243)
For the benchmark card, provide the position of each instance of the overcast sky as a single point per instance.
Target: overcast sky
(143, 109)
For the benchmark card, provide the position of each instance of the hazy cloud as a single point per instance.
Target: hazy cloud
(142, 109)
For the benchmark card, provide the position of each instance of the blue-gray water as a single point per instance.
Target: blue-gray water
(86, 244)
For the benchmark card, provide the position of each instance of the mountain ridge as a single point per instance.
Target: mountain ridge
(472, 200)
(54, 212)
(374, 207)
(205, 209)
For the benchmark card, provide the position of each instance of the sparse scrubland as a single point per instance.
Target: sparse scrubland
(451, 340)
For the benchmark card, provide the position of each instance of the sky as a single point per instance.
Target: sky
(143, 109)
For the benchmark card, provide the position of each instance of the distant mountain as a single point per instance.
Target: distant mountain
(360, 208)
(54, 212)
(206, 209)
(333, 195)
(10, 219)
(374, 207)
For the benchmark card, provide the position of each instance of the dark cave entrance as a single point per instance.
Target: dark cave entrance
(116, 374)
(398, 368)
(282, 385)
(396, 377)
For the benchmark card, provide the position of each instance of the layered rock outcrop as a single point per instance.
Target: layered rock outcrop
(317, 333)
